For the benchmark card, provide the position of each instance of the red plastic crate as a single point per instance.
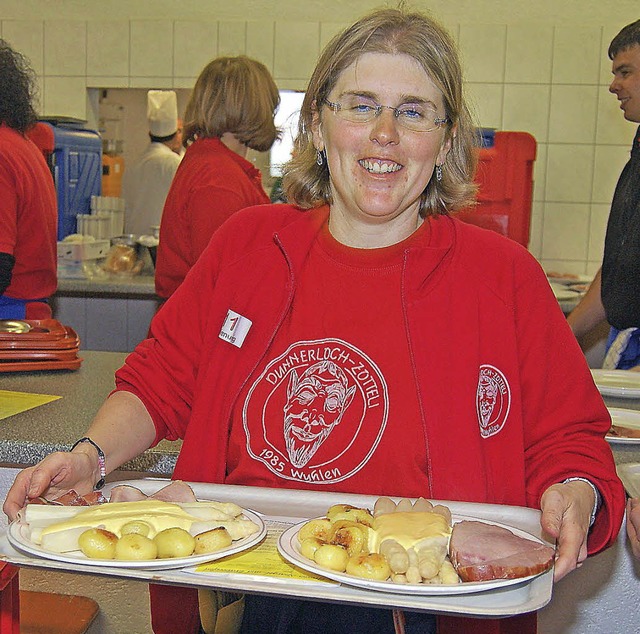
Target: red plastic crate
(505, 180)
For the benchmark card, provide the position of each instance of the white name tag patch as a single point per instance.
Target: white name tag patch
(235, 328)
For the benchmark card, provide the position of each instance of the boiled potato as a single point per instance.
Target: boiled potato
(309, 546)
(320, 529)
(136, 547)
(138, 527)
(98, 543)
(174, 542)
(210, 541)
(372, 566)
(331, 557)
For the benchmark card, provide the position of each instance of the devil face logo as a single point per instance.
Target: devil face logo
(317, 412)
(493, 400)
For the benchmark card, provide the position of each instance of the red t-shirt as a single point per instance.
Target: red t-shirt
(28, 217)
(335, 401)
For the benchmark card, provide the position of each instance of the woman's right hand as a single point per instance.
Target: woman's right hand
(54, 475)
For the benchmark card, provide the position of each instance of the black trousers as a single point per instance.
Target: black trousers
(275, 615)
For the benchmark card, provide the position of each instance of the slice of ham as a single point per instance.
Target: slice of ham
(72, 498)
(177, 491)
(482, 552)
(126, 493)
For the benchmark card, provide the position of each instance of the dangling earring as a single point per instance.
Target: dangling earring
(438, 173)
(319, 157)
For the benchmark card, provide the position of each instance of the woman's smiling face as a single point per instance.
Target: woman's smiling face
(379, 169)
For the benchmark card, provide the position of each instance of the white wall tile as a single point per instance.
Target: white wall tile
(526, 108)
(108, 48)
(609, 31)
(535, 229)
(27, 37)
(66, 96)
(61, 37)
(483, 51)
(296, 49)
(566, 231)
(232, 38)
(609, 161)
(528, 53)
(572, 118)
(597, 231)
(539, 172)
(195, 44)
(577, 53)
(328, 30)
(107, 81)
(612, 127)
(261, 42)
(154, 83)
(486, 102)
(151, 48)
(569, 173)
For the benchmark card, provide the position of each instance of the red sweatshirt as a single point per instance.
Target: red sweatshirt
(211, 184)
(507, 403)
(28, 219)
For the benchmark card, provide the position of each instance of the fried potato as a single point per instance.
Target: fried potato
(309, 546)
(320, 529)
(353, 538)
(331, 557)
(138, 527)
(370, 566)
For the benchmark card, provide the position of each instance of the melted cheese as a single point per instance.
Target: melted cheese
(159, 515)
(407, 528)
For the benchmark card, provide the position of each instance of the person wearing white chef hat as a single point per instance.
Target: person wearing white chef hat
(146, 184)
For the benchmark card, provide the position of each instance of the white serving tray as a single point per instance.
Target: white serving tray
(293, 506)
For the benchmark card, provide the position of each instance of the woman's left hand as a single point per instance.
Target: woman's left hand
(566, 513)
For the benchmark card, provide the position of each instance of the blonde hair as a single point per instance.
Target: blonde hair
(236, 95)
(393, 31)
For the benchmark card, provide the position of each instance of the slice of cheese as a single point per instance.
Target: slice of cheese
(407, 528)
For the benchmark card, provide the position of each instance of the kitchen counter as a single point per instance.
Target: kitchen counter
(27, 437)
(141, 286)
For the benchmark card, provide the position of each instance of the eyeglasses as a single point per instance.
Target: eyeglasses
(360, 109)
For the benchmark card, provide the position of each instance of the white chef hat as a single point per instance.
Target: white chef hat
(162, 112)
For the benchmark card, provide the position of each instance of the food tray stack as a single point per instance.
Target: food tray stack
(43, 344)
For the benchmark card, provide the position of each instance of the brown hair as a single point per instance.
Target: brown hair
(236, 95)
(393, 31)
(629, 36)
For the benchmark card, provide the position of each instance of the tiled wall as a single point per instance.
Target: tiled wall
(546, 78)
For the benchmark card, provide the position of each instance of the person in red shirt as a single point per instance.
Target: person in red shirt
(231, 110)
(28, 208)
(361, 339)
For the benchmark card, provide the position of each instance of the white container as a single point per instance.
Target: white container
(79, 251)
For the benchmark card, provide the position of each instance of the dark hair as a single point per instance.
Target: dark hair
(237, 95)
(393, 31)
(629, 36)
(18, 89)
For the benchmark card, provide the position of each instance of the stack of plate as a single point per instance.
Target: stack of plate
(46, 344)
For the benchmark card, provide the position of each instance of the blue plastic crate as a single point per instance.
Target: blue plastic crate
(76, 165)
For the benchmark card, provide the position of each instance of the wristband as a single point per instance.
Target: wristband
(101, 461)
(596, 504)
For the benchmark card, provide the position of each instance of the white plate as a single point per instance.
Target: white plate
(623, 383)
(18, 539)
(625, 418)
(289, 548)
(563, 292)
(577, 279)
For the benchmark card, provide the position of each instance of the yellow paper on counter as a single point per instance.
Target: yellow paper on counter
(263, 559)
(12, 403)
